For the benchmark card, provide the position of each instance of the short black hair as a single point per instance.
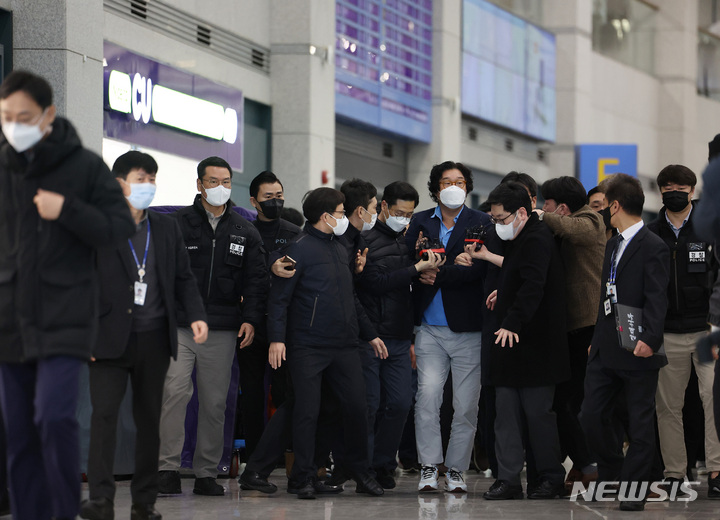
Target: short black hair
(593, 191)
(357, 193)
(400, 190)
(524, 179)
(714, 148)
(437, 172)
(512, 195)
(565, 190)
(319, 201)
(266, 177)
(676, 174)
(212, 161)
(293, 216)
(132, 160)
(628, 192)
(33, 85)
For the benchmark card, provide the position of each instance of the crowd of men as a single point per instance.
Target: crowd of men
(572, 326)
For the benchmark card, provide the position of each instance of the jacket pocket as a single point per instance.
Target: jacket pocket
(312, 317)
(67, 299)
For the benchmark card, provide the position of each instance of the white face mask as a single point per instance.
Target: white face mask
(141, 194)
(453, 197)
(506, 231)
(22, 136)
(367, 226)
(397, 224)
(217, 196)
(340, 226)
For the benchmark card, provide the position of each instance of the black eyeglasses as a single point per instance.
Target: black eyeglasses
(501, 220)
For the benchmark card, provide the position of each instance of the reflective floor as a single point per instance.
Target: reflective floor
(401, 503)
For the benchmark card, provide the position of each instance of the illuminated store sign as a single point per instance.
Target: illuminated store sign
(147, 103)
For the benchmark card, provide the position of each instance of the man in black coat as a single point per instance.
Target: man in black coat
(530, 354)
(384, 290)
(226, 256)
(141, 280)
(313, 316)
(58, 202)
(635, 274)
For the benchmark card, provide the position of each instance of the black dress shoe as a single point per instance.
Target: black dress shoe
(713, 487)
(367, 484)
(323, 488)
(253, 480)
(169, 483)
(385, 478)
(305, 491)
(546, 490)
(503, 490)
(208, 487)
(638, 505)
(97, 509)
(144, 512)
(338, 477)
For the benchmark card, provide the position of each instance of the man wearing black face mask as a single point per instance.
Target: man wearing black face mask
(267, 197)
(692, 270)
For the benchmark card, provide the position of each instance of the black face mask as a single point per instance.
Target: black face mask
(606, 215)
(675, 201)
(272, 208)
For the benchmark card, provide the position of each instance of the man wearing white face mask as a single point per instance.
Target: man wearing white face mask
(141, 278)
(448, 319)
(59, 202)
(226, 257)
(530, 355)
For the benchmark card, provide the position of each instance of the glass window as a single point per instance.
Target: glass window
(530, 10)
(708, 77)
(624, 30)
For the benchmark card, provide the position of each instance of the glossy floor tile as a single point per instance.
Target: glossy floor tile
(401, 503)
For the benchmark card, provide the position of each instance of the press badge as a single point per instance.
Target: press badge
(608, 307)
(612, 292)
(140, 293)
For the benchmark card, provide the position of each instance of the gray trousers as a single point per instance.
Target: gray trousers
(531, 406)
(213, 361)
(440, 350)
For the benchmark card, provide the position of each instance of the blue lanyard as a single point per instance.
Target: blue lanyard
(141, 268)
(613, 264)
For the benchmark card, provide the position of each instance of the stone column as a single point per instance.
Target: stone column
(61, 40)
(446, 113)
(302, 77)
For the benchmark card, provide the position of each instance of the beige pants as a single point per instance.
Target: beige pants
(670, 398)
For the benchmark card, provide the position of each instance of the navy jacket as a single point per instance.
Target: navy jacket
(317, 307)
(642, 281)
(462, 287)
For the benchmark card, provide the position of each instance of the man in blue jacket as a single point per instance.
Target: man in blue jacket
(313, 317)
(448, 314)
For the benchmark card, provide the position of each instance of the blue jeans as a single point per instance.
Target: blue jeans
(39, 401)
(388, 387)
(439, 350)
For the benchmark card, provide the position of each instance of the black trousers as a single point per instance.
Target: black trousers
(602, 385)
(568, 400)
(341, 368)
(253, 362)
(145, 362)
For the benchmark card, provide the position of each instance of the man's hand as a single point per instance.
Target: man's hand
(276, 354)
(491, 300)
(428, 277)
(642, 349)
(249, 332)
(589, 348)
(433, 262)
(278, 268)
(200, 331)
(413, 357)
(360, 261)
(419, 239)
(504, 335)
(379, 348)
(49, 204)
(464, 259)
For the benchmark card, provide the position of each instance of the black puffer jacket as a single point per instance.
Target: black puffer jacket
(316, 307)
(691, 282)
(48, 282)
(225, 274)
(384, 285)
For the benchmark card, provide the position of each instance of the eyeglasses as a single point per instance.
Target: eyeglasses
(400, 214)
(213, 183)
(501, 220)
(446, 183)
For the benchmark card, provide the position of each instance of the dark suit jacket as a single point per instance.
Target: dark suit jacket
(117, 278)
(642, 281)
(462, 287)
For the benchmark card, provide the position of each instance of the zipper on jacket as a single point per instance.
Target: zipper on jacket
(312, 318)
(677, 297)
(212, 261)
